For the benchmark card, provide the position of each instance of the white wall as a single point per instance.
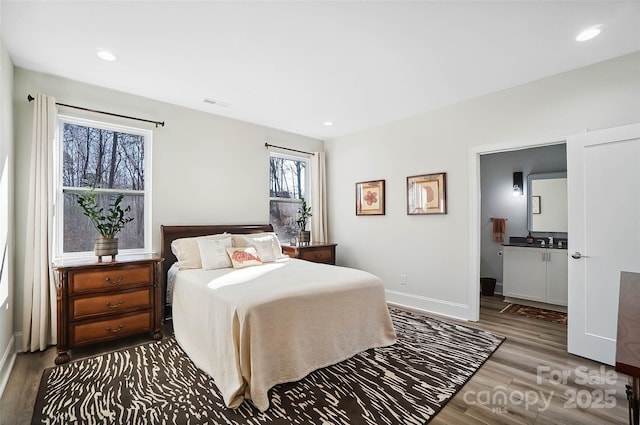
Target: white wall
(7, 352)
(207, 169)
(433, 251)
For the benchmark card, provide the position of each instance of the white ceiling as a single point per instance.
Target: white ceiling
(294, 65)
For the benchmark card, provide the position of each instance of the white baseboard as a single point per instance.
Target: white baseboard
(18, 336)
(6, 363)
(429, 305)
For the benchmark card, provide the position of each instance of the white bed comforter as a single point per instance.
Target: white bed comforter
(253, 328)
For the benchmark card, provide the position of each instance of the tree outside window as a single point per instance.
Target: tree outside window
(288, 180)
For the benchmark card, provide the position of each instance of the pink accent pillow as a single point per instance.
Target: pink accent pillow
(244, 257)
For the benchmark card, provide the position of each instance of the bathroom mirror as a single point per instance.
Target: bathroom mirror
(547, 202)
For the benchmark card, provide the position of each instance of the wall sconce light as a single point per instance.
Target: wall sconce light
(517, 183)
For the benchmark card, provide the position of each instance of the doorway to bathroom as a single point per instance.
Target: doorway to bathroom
(501, 204)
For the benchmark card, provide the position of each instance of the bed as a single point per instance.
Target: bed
(252, 328)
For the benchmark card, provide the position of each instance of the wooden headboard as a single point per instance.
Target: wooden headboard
(170, 233)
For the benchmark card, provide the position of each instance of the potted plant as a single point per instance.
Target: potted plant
(108, 225)
(304, 212)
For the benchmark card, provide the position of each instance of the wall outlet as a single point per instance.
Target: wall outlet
(403, 279)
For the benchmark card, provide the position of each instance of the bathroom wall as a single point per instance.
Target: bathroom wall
(496, 183)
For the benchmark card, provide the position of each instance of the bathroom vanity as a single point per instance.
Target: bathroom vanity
(535, 273)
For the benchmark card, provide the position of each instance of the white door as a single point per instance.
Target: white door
(603, 181)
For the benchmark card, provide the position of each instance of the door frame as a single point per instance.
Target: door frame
(475, 204)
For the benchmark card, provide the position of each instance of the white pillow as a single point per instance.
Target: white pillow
(187, 251)
(213, 253)
(264, 247)
(245, 240)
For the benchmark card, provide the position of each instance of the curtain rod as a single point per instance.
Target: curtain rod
(267, 145)
(157, 123)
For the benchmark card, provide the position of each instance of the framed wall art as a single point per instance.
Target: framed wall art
(535, 205)
(370, 198)
(427, 194)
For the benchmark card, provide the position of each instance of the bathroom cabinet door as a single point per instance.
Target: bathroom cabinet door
(557, 276)
(525, 273)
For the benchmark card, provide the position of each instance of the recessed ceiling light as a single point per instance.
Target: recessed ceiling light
(328, 123)
(590, 33)
(106, 55)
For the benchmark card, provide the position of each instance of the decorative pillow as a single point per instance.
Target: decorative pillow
(213, 253)
(187, 251)
(244, 240)
(244, 257)
(264, 247)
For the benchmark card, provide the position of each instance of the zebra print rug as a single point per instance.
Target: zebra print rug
(156, 383)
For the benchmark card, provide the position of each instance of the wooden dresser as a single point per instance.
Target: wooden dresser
(316, 252)
(103, 301)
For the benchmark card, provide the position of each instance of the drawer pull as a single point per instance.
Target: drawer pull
(114, 306)
(115, 331)
(113, 282)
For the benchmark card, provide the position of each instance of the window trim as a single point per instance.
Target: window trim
(58, 201)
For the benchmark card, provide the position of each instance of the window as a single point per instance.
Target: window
(289, 182)
(115, 160)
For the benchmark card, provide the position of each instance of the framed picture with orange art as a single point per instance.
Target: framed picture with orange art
(370, 198)
(427, 194)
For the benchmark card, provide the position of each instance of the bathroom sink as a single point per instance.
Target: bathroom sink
(522, 242)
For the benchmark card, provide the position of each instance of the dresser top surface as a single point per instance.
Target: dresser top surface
(310, 245)
(121, 260)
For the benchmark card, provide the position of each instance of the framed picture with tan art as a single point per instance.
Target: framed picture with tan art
(535, 205)
(370, 198)
(427, 194)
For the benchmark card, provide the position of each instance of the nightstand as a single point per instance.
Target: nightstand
(316, 252)
(104, 301)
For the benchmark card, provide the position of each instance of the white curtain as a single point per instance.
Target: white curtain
(318, 198)
(39, 312)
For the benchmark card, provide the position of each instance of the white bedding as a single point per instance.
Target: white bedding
(256, 327)
(171, 280)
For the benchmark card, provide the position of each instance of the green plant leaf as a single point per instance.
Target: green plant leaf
(108, 225)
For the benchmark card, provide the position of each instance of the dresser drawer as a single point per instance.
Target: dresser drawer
(112, 303)
(110, 328)
(82, 281)
(318, 255)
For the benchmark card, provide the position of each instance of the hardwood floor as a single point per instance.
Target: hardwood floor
(541, 382)
(522, 383)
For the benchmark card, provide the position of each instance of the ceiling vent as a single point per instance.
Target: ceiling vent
(216, 102)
